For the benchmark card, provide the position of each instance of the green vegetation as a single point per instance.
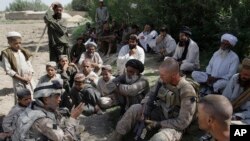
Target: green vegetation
(208, 19)
(22, 5)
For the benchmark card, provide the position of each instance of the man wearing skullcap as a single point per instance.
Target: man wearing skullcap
(86, 93)
(42, 121)
(132, 86)
(239, 85)
(108, 96)
(187, 51)
(91, 54)
(16, 63)
(9, 121)
(57, 32)
(129, 51)
(222, 66)
(51, 69)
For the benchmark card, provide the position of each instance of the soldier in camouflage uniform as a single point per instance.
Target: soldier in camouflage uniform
(169, 107)
(57, 32)
(42, 122)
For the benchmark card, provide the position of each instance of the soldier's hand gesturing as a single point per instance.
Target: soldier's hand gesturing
(76, 111)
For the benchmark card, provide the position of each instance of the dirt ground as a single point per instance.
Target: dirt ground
(97, 127)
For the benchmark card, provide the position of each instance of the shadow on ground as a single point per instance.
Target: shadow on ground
(6, 91)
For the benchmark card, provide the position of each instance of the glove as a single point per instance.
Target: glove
(152, 124)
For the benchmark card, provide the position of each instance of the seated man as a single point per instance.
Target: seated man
(238, 92)
(131, 87)
(42, 120)
(67, 72)
(77, 50)
(107, 40)
(82, 92)
(51, 69)
(108, 97)
(9, 121)
(147, 37)
(169, 107)
(221, 67)
(129, 51)
(214, 116)
(87, 70)
(91, 54)
(187, 51)
(165, 44)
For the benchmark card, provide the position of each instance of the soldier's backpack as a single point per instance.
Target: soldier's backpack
(24, 123)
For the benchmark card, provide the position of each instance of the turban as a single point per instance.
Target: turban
(23, 92)
(79, 77)
(136, 64)
(90, 43)
(48, 88)
(246, 62)
(107, 67)
(186, 29)
(13, 34)
(230, 38)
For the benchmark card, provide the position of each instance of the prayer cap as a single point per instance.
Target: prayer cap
(230, 38)
(90, 44)
(51, 64)
(186, 29)
(79, 77)
(49, 88)
(246, 62)
(63, 56)
(23, 92)
(136, 64)
(107, 67)
(13, 34)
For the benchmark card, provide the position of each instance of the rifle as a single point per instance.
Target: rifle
(140, 127)
(243, 98)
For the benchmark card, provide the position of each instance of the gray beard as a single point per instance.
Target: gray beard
(132, 79)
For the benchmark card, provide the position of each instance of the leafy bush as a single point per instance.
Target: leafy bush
(22, 5)
(81, 5)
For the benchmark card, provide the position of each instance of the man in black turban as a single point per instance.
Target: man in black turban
(130, 87)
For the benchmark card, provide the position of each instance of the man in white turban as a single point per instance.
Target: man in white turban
(222, 66)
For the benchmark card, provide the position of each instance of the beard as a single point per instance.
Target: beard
(182, 43)
(132, 79)
(132, 47)
(57, 16)
(244, 83)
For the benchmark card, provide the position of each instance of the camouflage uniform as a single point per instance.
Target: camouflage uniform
(177, 109)
(9, 121)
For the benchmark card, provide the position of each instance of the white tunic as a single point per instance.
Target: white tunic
(147, 38)
(168, 43)
(24, 69)
(101, 14)
(192, 59)
(232, 91)
(123, 57)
